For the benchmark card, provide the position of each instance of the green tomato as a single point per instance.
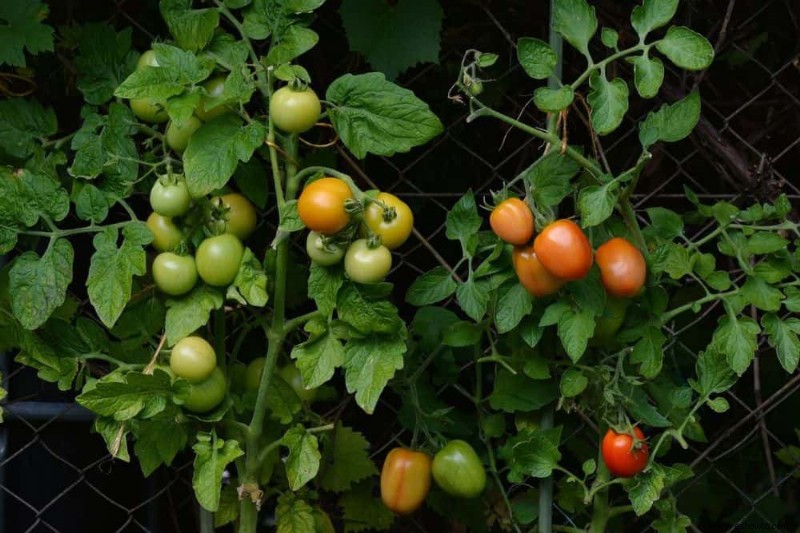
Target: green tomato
(174, 274)
(193, 359)
(321, 254)
(206, 395)
(607, 325)
(294, 111)
(458, 470)
(218, 259)
(147, 59)
(166, 235)
(291, 375)
(252, 377)
(170, 199)
(367, 265)
(178, 134)
(150, 110)
(214, 89)
(238, 214)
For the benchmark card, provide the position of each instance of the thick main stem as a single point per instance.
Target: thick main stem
(600, 512)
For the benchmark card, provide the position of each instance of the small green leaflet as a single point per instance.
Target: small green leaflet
(22, 29)
(139, 395)
(250, 285)
(318, 357)
(645, 489)
(672, 122)
(537, 58)
(362, 511)
(432, 287)
(22, 122)
(573, 382)
(302, 464)
(212, 456)
(373, 115)
(514, 303)
(609, 37)
(294, 515)
(596, 203)
(157, 443)
(463, 221)
(114, 434)
(190, 312)
(783, 336)
(345, 460)
(609, 102)
(737, 338)
(549, 178)
(576, 21)
(369, 364)
(381, 30)
(323, 286)
(649, 352)
(553, 100)
(575, 328)
(686, 48)
(514, 393)
(714, 375)
(651, 15)
(534, 454)
(105, 60)
(38, 285)
(193, 29)
(648, 75)
(294, 42)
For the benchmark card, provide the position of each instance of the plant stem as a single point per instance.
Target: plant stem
(294, 323)
(602, 64)
(666, 317)
(600, 512)
(206, 521)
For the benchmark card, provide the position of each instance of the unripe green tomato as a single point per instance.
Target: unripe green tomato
(206, 395)
(178, 134)
(458, 470)
(321, 254)
(149, 109)
(291, 375)
(252, 377)
(218, 259)
(174, 274)
(214, 89)
(166, 235)
(147, 59)
(240, 218)
(367, 265)
(294, 111)
(170, 200)
(193, 359)
(475, 88)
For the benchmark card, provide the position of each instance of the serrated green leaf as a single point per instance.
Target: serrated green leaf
(686, 48)
(609, 102)
(22, 122)
(649, 352)
(346, 460)
(535, 454)
(782, 335)
(672, 122)
(513, 304)
(23, 29)
(294, 515)
(536, 57)
(38, 285)
(369, 364)
(193, 29)
(714, 375)
(104, 60)
(362, 511)
(212, 455)
(549, 178)
(137, 395)
(575, 329)
(651, 15)
(318, 357)
(573, 382)
(302, 463)
(596, 203)
(190, 312)
(514, 393)
(473, 298)
(576, 21)
(737, 338)
(762, 295)
(645, 489)
(648, 75)
(431, 287)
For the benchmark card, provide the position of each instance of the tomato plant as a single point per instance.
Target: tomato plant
(174, 274)
(389, 218)
(405, 480)
(321, 205)
(366, 264)
(193, 359)
(512, 221)
(294, 110)
(457, 469)
(623, 455)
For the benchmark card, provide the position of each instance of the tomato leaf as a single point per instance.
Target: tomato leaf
(609, 37)
(318, 357)
(293, 514)
(380, 31)
(513, 304)
(473, 298)
(761, 294)
(373, 115)
(533, 454)
(431, 287)
(115, 435)
(283, 401)
(463, 221)
(229, 505)
(665, 223)
(215, 150)
(345, 460)
(190, 312)
(323, 286)
(782, 335)
(645, 489)
(596, 203)
(294, 42)
(672, 122)
(576, 21)
(105, 59)
(714, 374)
(250, 285)
(212, 456)
(549, 178)
(513, 393)
(302, 463)
(462, 333)
(38, 285)
(639, 406)
(369, 364)
(157, 443)
(136, 395)
(536, 57)
(686, 48)
(553, 100)
(648, 75)
(651, 15)
(22, 122)
(609, 102)
(367, 311)
(649, 352)
(22, 29)
(362, 511)
(575, 329)
(792, 301)
(573, 382)
(193, 29)
(737, 337)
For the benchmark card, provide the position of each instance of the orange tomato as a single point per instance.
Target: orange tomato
(405, 480)
(564, 250)
(512, 221)
(622, 267)
(321, 205)
(536, 279)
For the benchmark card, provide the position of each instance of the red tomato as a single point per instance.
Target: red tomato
(536, 279)
(622, 267)
(620, 455)
(512, 221)
(405, 480)
(564, 250)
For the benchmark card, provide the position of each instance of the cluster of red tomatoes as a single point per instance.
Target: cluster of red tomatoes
(217, 258)
(406, 475)
(325, 207)
(561, 252)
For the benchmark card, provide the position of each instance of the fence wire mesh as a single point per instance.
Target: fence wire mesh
(55, 476)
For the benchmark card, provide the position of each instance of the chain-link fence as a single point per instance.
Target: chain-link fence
(55, 476)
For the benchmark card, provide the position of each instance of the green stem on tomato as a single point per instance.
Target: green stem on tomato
(294, 323)
(206, 521)
(262, 81)
(666, 317)
(601, 65)
(600, 511)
